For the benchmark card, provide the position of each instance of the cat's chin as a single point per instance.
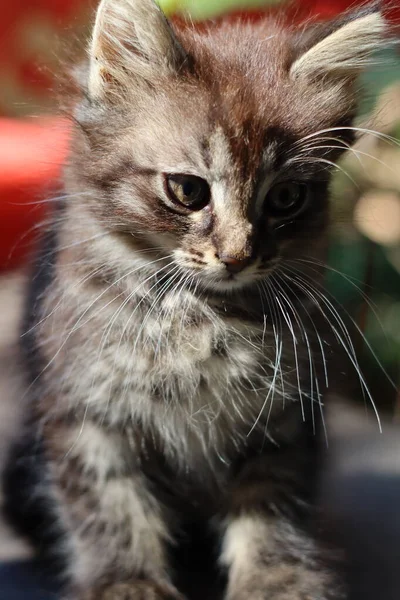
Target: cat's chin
(228, 285)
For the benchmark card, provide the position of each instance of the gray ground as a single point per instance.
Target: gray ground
(11, 390)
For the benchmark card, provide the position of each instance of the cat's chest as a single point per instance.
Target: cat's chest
(196, 367)
(197, 380)
(200, 385)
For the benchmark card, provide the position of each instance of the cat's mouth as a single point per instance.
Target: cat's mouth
(226, 278)
(229, 282)
(249, 276)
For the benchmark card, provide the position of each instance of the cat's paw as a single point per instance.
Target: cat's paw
(135, 590)
(285, 582)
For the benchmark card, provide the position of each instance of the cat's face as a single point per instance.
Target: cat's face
(216, 148)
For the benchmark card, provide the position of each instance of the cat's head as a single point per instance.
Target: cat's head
(215, 147)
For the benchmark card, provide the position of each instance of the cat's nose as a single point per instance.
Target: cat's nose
(234, 264)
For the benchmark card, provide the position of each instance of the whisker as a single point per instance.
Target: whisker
(102, 345)
(348, 278)
(80, 324)
(276, 318)
(57, 306)
(295, 353)
(276, 369)
(354, 322)
(382, 136)
(309, 289)
(173, 272)
(357, 154)
(51, 199)
(311, 359)
(330, 163)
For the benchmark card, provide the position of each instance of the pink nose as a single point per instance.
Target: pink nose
(234, 264)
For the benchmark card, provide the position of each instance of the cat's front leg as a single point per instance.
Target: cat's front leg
(116, 532)
(268, 549)
(269, 559)
(133, 590)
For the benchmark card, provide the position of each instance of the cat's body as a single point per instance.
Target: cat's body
(177, 372)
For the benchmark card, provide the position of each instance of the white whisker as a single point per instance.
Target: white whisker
(309, 289)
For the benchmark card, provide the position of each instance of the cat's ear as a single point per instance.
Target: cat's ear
(340, 48)
(132, 41)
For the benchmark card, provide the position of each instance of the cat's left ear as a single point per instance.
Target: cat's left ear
(132, 42)
(340, 48)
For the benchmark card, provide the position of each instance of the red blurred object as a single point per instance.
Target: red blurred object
(31, 155)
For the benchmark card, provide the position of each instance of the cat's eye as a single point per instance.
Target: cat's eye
(286, 199)
(188, 190)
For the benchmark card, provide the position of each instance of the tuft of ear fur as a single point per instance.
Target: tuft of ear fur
(132, 39)
(345, 49)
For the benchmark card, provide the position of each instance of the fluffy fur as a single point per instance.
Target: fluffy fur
(345, 51)
(178, 357)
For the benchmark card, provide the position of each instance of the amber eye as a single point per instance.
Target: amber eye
(286, 199)
(188, 190)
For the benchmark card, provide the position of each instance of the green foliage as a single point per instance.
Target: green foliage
(202, 9)
(384, 71)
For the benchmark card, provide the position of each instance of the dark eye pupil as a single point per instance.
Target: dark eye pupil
(188, 188)
(286, 199)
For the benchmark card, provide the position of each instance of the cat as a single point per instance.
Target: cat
(177, 353)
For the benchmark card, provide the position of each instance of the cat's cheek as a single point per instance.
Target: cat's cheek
(166, 241)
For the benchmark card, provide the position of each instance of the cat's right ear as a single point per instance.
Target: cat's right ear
(132, 41)
(341, 48)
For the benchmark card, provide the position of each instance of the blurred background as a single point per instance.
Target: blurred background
(38, 38)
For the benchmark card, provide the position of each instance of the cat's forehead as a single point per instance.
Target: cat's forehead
(195, 138)
(243, 74)
(221, 118)
(235, 109)
(238, 162)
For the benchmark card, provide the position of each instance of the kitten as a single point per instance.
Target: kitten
(173, 335)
